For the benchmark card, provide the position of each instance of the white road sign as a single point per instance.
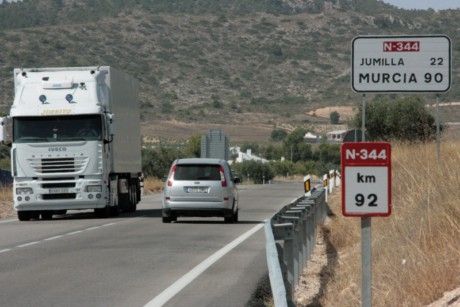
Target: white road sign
(367, 190)
(401, 63)
(366, 179)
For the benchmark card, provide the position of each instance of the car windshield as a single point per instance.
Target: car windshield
(201, 172)
(57, 128)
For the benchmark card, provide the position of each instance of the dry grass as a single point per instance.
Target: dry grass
(153, 185)
(416, 255)
(6, 202)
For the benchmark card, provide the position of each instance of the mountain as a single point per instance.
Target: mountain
(212, 60)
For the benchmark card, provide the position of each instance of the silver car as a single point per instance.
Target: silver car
(200, 187)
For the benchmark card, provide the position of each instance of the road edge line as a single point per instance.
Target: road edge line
(186, 279)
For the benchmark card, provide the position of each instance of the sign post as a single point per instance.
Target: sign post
(366, 192)
(387, 64)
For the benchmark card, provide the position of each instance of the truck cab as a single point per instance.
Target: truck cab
(75, 141)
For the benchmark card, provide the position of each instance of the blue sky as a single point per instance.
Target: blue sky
(425, 4)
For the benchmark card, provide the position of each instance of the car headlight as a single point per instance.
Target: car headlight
(94, 188)
(24, 191)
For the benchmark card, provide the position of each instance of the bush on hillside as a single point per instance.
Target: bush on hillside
(278, 135)
(258, 172)
(402, 119)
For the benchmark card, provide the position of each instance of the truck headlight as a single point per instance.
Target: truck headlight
(24, 191)
(94, 188)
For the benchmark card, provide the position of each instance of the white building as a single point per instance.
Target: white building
(245, 156)
(311, 138)
(336, 136)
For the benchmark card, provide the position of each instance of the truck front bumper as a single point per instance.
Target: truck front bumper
(72, 197)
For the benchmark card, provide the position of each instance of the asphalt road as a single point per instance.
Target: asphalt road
(131, 260)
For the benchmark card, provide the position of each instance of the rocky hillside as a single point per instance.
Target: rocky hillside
(209, 60)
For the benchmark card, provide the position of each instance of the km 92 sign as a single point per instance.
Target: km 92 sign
(366, 179)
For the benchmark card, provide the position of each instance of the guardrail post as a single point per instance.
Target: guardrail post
(285, 232)
(299, 212)
(295, 247)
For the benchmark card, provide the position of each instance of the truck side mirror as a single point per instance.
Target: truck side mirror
(6, 131)
(110, 129)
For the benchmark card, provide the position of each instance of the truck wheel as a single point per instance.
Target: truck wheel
(114, 211)
(132, 206)
(102, 212)
(47, 215)
(24, 215)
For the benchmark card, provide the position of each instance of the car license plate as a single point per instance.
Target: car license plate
(197, 189)
(59, 191)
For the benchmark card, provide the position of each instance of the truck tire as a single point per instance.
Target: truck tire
(47, 215)
(102, 212)
(24, 215)
(114, 211)
(132, 206)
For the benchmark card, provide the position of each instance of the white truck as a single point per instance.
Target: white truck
(75, 141)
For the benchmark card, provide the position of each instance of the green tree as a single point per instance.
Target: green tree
(295, 147)
(193, 147)
(156, 162)
(402, 119)
(334, 117)
(254, 170)
(278, 135)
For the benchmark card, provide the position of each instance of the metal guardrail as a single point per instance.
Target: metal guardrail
(290, 239)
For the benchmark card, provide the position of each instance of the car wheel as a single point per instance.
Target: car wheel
(166, 219)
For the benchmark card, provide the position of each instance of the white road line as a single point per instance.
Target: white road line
(28, 244)
(182, 282)
(53, 238)
(8, 221)
(73, 233)
(92, 228)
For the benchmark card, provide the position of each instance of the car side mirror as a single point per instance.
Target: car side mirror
(236, 180)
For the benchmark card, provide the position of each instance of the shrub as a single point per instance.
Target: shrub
(402, 119)
(255, 171)
(278, 135)
(334, 117)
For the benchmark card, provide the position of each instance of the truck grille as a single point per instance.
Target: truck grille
(58, 165)
(59, 196)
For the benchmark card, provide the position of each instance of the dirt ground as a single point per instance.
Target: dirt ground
(6, 209)
(310, 287)
(243, 132)
(345, 112)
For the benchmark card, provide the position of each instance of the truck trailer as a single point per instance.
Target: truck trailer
(75, 141)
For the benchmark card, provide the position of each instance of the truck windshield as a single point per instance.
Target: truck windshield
(57, 128)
